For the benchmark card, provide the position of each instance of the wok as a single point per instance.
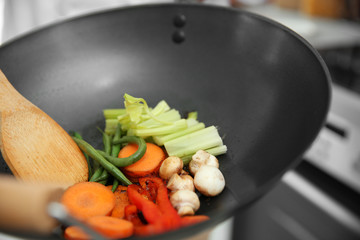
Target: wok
(264, 86)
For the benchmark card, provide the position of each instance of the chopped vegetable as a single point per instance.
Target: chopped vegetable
(170, 166)
(137, 139)
(192, 115)
(115, 152)
(163, 129)
(188, 144)
(90, 172)
(110, 126)
(186, 202)
(181, 182)
(148, 208)
(209, 181)
(121, 201)
(161, 217)
(126, 161)
(192, 126)
(148, 164)
(213, 151)
(108, 227)
(101, 175)
(111, 227)
(75, 233)
(88, 199)
(169, 116)
(136, 108)
(102, 161)
(113, 113)
(132, 215)
(166, 128)
(201, 158)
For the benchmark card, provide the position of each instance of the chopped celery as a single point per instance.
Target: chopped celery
(188, 144)
(135, 108)
(110, 126)
(180, 137)
(213, 151)
(160, 140)
(161, 107)
(192, 115)
(113, 113)
(169, 116)
(165, 129)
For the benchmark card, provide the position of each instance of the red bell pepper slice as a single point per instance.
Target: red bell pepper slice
(161, 216)
(132, 215)
(149, 209)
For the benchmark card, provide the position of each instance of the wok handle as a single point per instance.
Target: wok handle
(23, 206)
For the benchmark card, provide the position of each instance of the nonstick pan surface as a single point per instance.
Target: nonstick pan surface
(265, 87)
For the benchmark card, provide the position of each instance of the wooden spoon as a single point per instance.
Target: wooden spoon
(34, 146)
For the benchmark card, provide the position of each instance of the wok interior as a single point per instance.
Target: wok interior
(263, 86)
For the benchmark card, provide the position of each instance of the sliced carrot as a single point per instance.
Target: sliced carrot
(147, 165)
(75, 233)
(121, 201)
(190, 220)
(111, 227)
(88, 199)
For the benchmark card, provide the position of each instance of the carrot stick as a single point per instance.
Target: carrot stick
(88, 199)
(190, 220)
(111, 227)
(75, 233)
(147, 165)
(121, 201)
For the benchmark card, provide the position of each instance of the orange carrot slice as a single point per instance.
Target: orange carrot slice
(148, 164)
(111, 227)
(88, 199)
(121, 201)
(75, 233)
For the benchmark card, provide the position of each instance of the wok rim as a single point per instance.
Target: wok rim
(261, 190)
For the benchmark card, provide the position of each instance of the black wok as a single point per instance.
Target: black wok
(264, 86)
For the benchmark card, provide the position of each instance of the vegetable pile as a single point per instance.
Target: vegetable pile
(148, 177)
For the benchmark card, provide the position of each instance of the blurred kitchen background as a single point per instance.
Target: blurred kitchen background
(320, 199)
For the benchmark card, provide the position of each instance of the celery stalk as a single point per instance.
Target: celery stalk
(113, 113)
(110, 126)
(161, 107)
(188, 144)
(169, 116)
(213, 151)
(192, 115)
(160, 140)
(135, 108)
(147, 132)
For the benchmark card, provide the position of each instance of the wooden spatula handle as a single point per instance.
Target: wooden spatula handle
(23, 206)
